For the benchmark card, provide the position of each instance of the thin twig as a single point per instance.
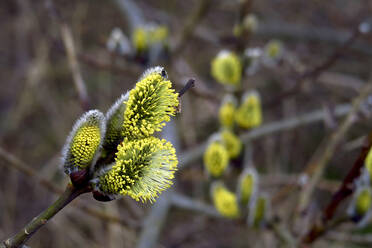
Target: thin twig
(283, 234)
(12, 161)
(275, 180)
(184, 202)
(194, 154)
(346, 237)
(315, 72)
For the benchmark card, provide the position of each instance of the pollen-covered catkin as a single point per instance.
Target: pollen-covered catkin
(232, 143)
(84, 142)
(227, 110)
(227, 68)
(225, 201)
(249, 113)
(149, 106)
(216, 159)
(143, 169)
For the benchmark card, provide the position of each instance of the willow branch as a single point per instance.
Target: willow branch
(36, 223)
(13, 162)
(196, 153)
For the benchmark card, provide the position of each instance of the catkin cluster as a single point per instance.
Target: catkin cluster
(238, 111)
(117, 152)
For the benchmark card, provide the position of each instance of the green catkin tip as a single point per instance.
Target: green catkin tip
(247, 185)
(84, 142)
(226, 112)
(143, 169)
(226, 68)
(216, 159)
(225, 201)
(368, 164)
(249, 113)
(258, 211)
(150, 104)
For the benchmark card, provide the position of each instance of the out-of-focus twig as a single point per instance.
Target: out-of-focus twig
(316, 71)
(346, 237)
(345, 190)
(191, 155)
(283, 234)
(93, 61)
(12, 162)
(275, 180)
(69, 45)
(291, 31)
(194, 19)
(132, 13)
(320, 162)
(154, 222)
(187, 203)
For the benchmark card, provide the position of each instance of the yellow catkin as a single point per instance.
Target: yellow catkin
(226, 114)
(273, 49)
(158, 34)
(84, 145)
(249, 114)
(140, 39)
(225, 201)
(144, 37)
(216, 159)
(150, 105)
(368, 164)
(232, 143)
(363, 201)
(143, 169)
(226, 68)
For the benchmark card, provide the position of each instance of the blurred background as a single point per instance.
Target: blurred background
(60, 58)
